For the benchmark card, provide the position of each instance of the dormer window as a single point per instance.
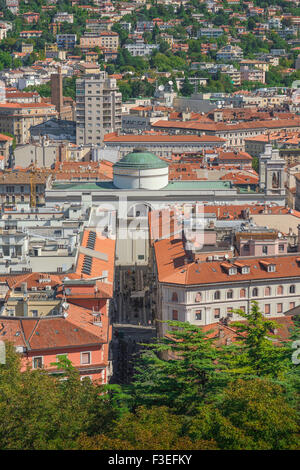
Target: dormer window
(242, 268)
(245, 270)
(232, 271)
(267, 266)
(229, 268)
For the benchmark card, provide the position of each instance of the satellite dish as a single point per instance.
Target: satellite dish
(170, 82)
(279, 234)
(161, 88)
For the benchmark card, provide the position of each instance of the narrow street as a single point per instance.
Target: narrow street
(135, 296)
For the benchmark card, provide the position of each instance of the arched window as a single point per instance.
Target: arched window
(174, 297)
(198, 297)
(229, 294)
(242, 293)
(267, 291)
(279, 290)
(255, 292)
(292, 289)
(217, 295)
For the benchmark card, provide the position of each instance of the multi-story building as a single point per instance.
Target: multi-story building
(31, 34)
(81, 337)
(16, 119)
(162, 145)
(98, 103)
(252, 74)
(66, 41)
(3, 32)
(26, 48)
(13, 6)
(235, 134)
(104, 39)
(31, 17)
(210, 32)
(230, 53)
(16, 187)
(203, 292)
(5, 147)
(140, 48)
(63, 17)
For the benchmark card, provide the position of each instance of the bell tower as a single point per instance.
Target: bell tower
(272, 172)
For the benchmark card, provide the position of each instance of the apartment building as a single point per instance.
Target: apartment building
(63, 17)
(235, 134)
(16, 118)
(98, 103)
(141, 48)
(162, 145)
(210, 32)
(79, 335)
(30, 34)
(104, 39)
(16, 187)
(66, 41)
(230, 53)
(202, 293)
(252, 74)
(5, 147)
(31, 17)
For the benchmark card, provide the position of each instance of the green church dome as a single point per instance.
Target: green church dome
(141, 160)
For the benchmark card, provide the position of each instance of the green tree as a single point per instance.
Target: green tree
(154, 429)
(252, 415)
(256, 353)
(40, 411)
(186, 376)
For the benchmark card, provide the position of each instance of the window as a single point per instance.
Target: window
(267, 309)
(34, 313)
(242, 293)
(267, 291)
(292, 289)
(85, 358)
(292, 304)
(265, 249)
(281, 247)
(37, 362)
(243, 308)
(174, 297)
(198, 297)
(229, 312)
(229, 294)
(198, 315)
(279, 308)
(279, 290)
(255, 292)
(217, 295)
(217, 313)
(175, 315)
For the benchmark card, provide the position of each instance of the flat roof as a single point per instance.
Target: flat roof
(173, 185)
